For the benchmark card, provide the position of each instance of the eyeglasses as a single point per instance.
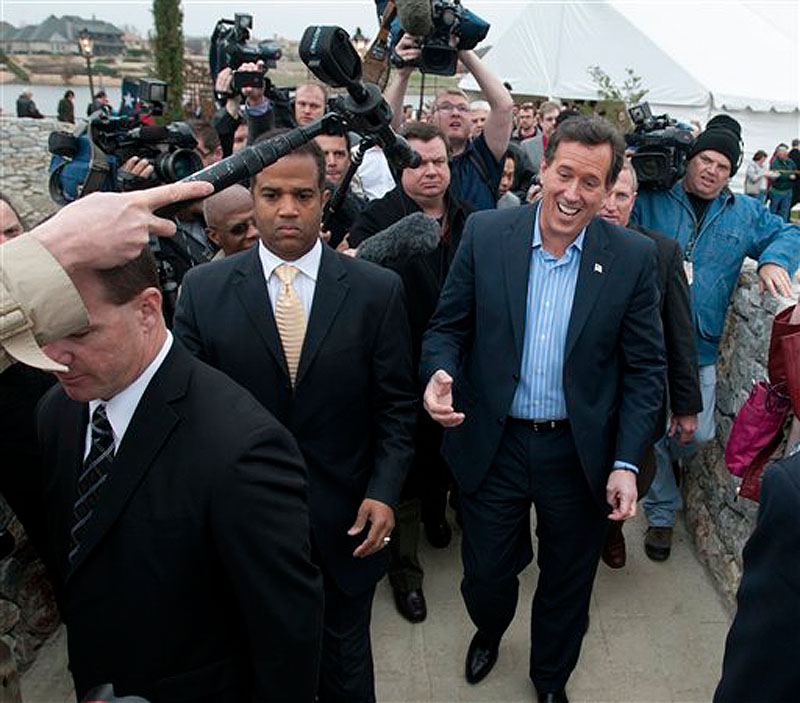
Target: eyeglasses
(449, 107)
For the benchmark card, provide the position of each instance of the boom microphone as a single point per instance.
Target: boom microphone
(415, 234)
(415, 16)
(154, 133)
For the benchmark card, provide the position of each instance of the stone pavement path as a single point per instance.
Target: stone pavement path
(656, 636)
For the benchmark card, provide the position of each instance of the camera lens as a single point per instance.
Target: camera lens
(176, 165)
(438, 59)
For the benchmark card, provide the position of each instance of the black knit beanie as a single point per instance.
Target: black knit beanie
(722, 134)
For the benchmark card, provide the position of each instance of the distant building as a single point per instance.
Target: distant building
(59, 35)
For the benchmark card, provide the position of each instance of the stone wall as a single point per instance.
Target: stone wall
(28, 613)
(24, 165)
(719, 522)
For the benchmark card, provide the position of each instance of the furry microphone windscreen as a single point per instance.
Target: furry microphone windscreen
(415, 16)
(415, 234)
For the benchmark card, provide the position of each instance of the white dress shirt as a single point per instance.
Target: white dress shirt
(304, 283)
(120, 408)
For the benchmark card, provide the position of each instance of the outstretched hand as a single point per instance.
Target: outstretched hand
(438, 400)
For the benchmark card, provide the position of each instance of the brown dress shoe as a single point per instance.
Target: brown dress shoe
(658, 543)
(613, 553)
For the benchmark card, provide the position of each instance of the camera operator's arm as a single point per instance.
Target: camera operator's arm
(497, 129)
(258, 108)
(227, 118)
(394, 93)
(38, 302)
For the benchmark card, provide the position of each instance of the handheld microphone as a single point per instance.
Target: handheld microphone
(415, 234)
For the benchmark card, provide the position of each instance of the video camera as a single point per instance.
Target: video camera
(662, 145)
(90, 159)
(437, 21)
(230, 49)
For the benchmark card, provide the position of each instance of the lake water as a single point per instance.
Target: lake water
(46, 97)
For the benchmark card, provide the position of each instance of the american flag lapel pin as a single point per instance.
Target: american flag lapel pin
(598, 268)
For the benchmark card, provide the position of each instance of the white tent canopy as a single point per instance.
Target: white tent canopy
(697, 59)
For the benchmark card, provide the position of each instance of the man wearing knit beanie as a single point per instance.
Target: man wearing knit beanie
(716, 229)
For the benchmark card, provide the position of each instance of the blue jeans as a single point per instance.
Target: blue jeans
(664, 499)
(781, 203)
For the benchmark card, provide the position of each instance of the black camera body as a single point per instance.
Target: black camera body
(230, 48)
(169, 148)
(90, 160)
(247, 79)
(662, 145)
(436, 54)
(451, 28)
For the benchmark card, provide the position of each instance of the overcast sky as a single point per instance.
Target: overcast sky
(287, 19)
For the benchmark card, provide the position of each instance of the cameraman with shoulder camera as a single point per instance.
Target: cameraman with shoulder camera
(716, 230)
(476, 164)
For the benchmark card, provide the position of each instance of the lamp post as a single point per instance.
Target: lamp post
(85, 46)
(360, 42)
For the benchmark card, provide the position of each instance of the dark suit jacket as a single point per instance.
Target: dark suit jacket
(352, 409)
(614, 358)
(683, 383)
(395, 205)
(194, 581)
(760, 664)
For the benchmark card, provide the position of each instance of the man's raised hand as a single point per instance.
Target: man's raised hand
(438, 400)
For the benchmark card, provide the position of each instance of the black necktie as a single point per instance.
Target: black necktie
(94, 473)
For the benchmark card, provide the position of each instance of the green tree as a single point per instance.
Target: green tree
(168, 49)
(615, 99)
(630, 92)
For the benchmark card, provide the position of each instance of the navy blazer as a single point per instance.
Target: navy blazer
(614, 370)
(352, 410)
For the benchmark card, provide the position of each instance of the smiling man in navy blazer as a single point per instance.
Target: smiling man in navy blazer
(545, 358)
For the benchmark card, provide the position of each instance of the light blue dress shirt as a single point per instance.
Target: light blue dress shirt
(551, 290)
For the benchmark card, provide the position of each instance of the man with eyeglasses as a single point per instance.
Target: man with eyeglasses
(476, 165)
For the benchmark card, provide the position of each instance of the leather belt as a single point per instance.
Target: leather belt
(541, 425)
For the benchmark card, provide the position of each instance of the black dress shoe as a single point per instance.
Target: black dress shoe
(411, 605)
(481, 657)
(438, 533)
(557, 697)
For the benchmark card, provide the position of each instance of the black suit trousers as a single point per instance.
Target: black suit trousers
(542, 469)
(346, 671)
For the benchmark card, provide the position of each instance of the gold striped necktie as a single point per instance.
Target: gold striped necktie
(290, 318)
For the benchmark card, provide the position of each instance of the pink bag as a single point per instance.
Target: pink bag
(756, 431)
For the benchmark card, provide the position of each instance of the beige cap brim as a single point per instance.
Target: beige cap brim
(23, 348)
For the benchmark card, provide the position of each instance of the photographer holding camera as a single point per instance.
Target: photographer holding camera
(476, 165)
(239, 70)
(250, 104)
(716, 230)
